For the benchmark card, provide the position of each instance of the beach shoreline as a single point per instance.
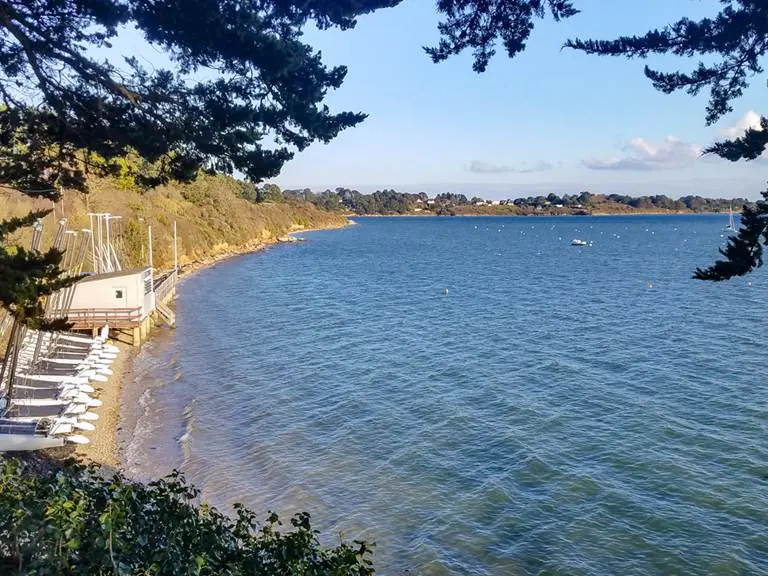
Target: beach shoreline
(103, 448)
(191, 268)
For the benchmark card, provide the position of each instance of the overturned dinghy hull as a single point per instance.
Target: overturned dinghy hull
(25, 442)
(21, 436)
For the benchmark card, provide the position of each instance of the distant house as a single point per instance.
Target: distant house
(418, 209)
(430, 202)
(557, 205)
(419, 201)
(495, 202)
(480, 203)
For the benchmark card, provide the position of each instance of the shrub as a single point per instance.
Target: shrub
(76, 521)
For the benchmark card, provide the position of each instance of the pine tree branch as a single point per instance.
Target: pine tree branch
(744, 252)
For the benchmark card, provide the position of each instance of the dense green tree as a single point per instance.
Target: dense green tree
(585, 198)
(28, 275)
(452, 198)
(270, 193)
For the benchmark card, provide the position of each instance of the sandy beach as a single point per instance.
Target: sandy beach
(103, 446)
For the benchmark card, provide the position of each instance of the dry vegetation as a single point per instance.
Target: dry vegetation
(212, 219)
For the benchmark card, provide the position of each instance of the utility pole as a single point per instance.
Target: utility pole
(175, 250)
(149, 233)
(143, 250)
(109, 248)
(93, 245)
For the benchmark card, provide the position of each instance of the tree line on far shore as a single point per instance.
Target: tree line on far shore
(390, 201)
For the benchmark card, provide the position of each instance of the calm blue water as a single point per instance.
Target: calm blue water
(560, 410)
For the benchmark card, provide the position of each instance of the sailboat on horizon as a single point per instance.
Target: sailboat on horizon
(731, 225)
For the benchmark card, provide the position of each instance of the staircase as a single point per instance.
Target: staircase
(166, 313)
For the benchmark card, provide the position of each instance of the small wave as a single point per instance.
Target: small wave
(186, 438)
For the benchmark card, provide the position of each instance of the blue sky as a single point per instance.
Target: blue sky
(548, 112)
(546, 121)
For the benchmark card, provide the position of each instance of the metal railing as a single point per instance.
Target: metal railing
(164, 286)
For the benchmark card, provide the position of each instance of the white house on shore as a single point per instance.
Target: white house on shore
(123, 300)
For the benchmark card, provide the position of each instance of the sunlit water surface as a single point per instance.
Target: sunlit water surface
(477, 396)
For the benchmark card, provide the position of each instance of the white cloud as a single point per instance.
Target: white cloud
(480, 167)
(645, 155)
(750, 120)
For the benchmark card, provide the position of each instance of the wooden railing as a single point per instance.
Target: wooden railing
(164, 286)
(84, 318)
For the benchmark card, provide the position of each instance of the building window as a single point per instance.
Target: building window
(118, 294)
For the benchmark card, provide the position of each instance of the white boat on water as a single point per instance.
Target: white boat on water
(731, 224)
(577, 242)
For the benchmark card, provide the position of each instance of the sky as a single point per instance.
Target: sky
(549, 120)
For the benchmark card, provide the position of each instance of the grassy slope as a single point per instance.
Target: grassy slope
(211, 218)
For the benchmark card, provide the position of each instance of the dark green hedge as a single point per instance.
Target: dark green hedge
(72, 520)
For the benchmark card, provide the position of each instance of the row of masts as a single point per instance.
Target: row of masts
(103, 242)
(104, 256)
(105, 246)
(74, 246)
(44, 376)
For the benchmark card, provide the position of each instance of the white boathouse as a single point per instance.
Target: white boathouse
(123, 300)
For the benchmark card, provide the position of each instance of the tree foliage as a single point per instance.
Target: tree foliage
(383, 202)
(743, 252)
(28, 276)
(75, 521)
(477, 24)
(733, 42)
(239, 73)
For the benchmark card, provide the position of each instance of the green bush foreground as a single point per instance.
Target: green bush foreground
(73, 520)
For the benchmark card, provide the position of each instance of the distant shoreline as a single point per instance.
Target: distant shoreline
(533, 215)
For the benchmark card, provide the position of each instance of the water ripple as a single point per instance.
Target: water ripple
(550, 414)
